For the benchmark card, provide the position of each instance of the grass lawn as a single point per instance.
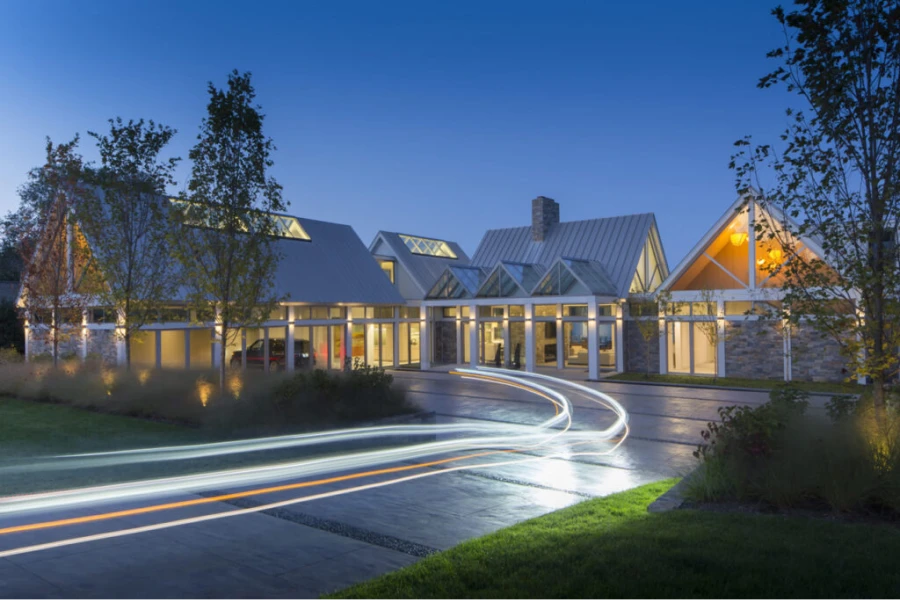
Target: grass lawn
(611, 547)
(810, 386)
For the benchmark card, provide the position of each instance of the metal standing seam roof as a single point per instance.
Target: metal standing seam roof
(613, 242)
(333, 266)
(424, 270)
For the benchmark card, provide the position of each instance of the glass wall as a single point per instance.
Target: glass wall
(338, 349)
(387, 344)
(517, 344)
(143, 349)
(545, 343)
(201, 348)
(679, 346)
(466, 343)
(358, 343)
(704, 349)
(606, 344)
(373, 347)
(575, 342)
(491, 343)
(320, 345)
(172, 349)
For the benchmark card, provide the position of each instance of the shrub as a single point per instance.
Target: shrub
(778, 455)
(10, 356)
(250, 401)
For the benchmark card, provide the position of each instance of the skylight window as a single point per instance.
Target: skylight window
(283, 226)
(427, 247)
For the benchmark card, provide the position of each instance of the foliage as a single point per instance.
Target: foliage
(54, 270)
(122, 216)
(229, 255)
(248, 402)
(777, 455)
(612, 547)
(10, 355)
(836, 176)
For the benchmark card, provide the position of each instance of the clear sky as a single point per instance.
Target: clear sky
(440, 119)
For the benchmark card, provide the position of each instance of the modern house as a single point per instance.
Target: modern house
(544, 296)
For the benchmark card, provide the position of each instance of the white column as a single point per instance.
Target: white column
(474, 350)
(460, 355)
(424, 346)
(529, 338)
(289, 358)
(560, 351)
(187, 348)
(663, 343)
(120, 339)
(395, 324)
(620, 337)
(217, 339)
(27, 340)
(593, 346)
(506, 354)
(84, 335)
(720, 338)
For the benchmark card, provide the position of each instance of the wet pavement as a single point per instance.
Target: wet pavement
(322, 545)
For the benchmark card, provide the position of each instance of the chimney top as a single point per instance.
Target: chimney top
(544, 215)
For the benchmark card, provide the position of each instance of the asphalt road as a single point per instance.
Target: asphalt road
(318, 546)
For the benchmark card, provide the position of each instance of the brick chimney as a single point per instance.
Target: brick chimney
(544, 215)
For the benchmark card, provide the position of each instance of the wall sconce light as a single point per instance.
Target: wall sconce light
(738, 238)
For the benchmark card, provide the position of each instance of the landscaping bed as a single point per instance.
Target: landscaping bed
(612, 547)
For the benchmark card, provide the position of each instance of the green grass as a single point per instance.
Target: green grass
(765, 384)
(611, 547)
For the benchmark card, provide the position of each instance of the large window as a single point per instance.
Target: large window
(575, 340)
(427, 247)
(606, 344)
(691, 347)
(388, 267)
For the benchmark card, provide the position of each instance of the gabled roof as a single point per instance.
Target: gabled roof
(739, 204)
(615, 243)
(327, 264)
(424, 270)
(568, 276)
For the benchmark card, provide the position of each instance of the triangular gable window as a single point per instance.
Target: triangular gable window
(448, 286)
(725, 262)
(558, 281)
(649, 272)
(499, 284)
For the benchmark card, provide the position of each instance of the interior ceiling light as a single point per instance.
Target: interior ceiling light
(738, 238)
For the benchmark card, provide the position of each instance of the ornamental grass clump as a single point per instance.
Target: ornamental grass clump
(781, 455)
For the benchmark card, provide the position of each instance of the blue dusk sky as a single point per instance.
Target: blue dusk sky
(441, 119)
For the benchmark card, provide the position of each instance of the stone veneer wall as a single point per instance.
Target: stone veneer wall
(101, 344)
(444, 334)
(754, 349)
(636, 352)
(40, 343)
(516, 336)
(815, 357)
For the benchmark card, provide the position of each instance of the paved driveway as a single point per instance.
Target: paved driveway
(326, 544)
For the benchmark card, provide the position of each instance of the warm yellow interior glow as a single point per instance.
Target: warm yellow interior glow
(738, 239)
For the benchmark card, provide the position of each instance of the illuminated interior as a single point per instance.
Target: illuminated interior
(649, 273)
(388, 267)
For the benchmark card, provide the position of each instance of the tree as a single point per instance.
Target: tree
(837, 177)
(645, 314)
(124, 218)
(55, 272)
(228, 254)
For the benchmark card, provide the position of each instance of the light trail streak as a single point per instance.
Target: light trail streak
(512, 438)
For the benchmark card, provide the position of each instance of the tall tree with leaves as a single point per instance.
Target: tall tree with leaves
(837, 176)
(228, 253)
(55, 273)
(125, 220)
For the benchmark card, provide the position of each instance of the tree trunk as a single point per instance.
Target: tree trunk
(127, 350)
(222, 352)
